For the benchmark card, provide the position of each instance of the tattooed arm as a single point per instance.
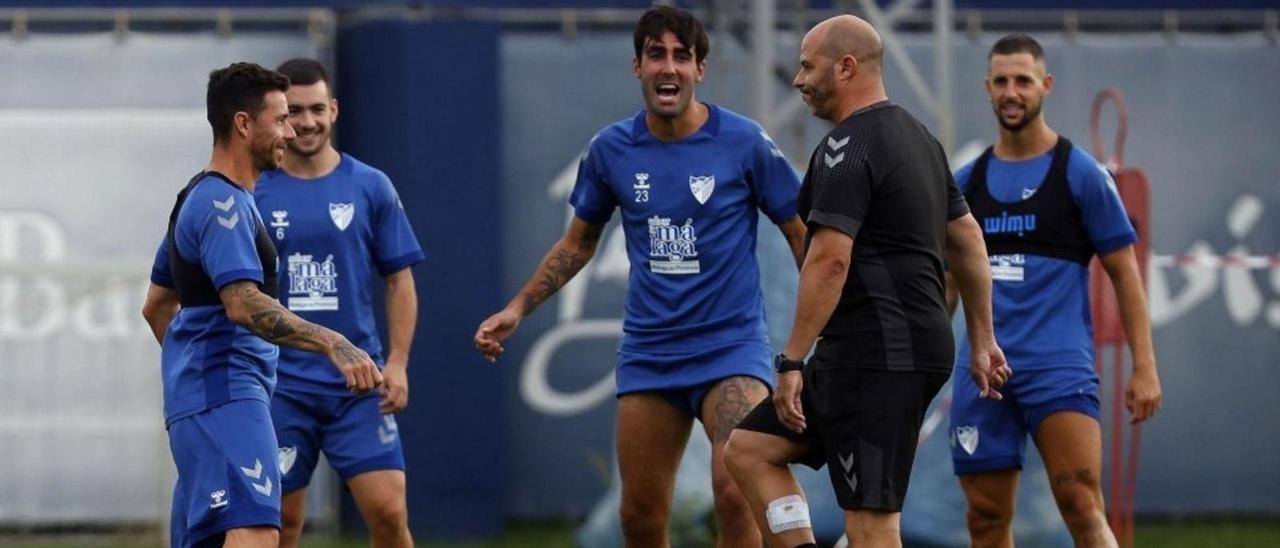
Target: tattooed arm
(565, 259)
(252, 309)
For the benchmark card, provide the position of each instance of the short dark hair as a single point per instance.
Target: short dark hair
(303, 71)
(1017, 43)
(687, 28)
(241, 87)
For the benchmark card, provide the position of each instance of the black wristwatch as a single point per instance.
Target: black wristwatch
(782, 364)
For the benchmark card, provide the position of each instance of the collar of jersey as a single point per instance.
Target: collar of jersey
(640, 130)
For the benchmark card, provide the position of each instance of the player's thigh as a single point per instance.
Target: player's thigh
(297, 423)
(761, 438)
(252, 537)
(870, 423)
(1062, 409)
(360, 439)
(379, 492)
(992, 494)
(1070, 443)
(651, 437)
(727, 403)
(986, 435)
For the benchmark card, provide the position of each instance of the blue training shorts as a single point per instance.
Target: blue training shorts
(227, 475)
(989, 435)
(685, 378)
(354, 436)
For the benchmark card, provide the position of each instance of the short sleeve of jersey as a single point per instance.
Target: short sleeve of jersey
(842, 189)
(217, 227)
(591, 199)
(775, 183)
(395, 245)
(160, 274)
(1104, 216)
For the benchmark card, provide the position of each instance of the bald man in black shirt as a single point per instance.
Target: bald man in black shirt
(883, 215)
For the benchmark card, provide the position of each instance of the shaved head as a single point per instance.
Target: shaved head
(848, 35)
(840, 67)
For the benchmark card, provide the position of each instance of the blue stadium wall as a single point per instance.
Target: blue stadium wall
(431, 119)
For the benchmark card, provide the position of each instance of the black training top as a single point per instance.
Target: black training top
(881, 178)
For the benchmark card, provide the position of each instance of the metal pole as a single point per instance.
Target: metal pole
(893, 48)
(763, 39)
(943, 25)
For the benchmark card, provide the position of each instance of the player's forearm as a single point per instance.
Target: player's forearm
(1132, 300)
(252, 309)
(794, 231)
(971, 271)
(560, 265)
(160, 324)
(952, 294)
(158, 310)
(159, 320)
(402, 315)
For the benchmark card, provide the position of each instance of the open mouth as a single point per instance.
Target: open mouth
(667, 90)
(1011, 110)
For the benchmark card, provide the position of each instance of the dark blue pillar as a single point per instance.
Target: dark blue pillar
(420, 100)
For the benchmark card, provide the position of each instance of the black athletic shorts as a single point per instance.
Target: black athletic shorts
(863, 424)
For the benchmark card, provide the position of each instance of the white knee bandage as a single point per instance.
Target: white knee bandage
(786, 513)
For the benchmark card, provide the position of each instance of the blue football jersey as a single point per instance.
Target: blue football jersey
(206, 360)
(689, 213)
(336, 236)
(1040, 305)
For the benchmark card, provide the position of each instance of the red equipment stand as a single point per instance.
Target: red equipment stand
(1108, 330)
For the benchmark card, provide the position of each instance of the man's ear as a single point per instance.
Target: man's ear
(847, 67)
(241, 123)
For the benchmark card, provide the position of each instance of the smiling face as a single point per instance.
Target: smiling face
(312, 113)
(668, 71)
(270, 132)
(1017, 84)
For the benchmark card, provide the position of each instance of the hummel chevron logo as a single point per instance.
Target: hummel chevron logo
(265, 488)
(385, 436)
(837, 145)
(831, 162)
(229, 222)
(847, 463)
(225, 206)
(255, 472)
(388, 430)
